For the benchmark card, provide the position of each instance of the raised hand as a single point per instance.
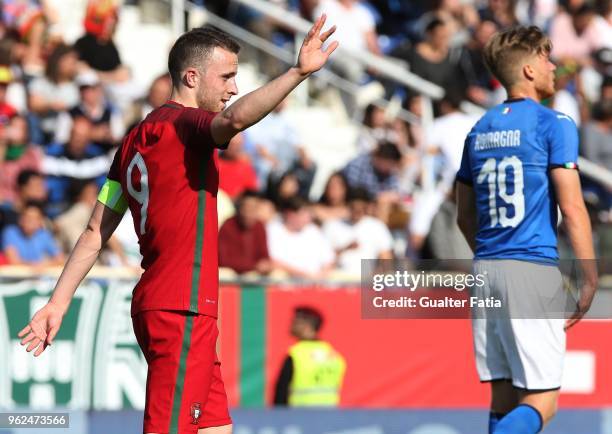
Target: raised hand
(312, 56)
(41, 330)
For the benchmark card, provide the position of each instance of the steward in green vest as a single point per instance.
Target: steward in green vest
(313, 371)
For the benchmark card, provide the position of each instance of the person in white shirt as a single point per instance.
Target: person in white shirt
(296, 245)
(360, 236)
(446, 137)
(356, 33)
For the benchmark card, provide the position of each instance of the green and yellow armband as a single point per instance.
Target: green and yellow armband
(112, 196)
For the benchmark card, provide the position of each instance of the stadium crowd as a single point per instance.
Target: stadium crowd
(65, 106)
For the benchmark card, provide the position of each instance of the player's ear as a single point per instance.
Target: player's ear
(528, 72)
(190, 78)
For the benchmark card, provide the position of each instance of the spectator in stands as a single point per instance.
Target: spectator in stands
(407, 135)
(31, 187)
(449, 150)
(501, 12)
(576, 31)
(7, 111)
(98, 51)
(458, 15)
(55, 92)
(297, 246)
(536, 12)
(306, 8)
(333, 202)
(159, 92)
(313, 371)
(445, 240)
(449, 146)
(28, 242)
(70, 224)
(414, 104)
(279, 149)
(16, 154)
(79, 158)
(12, 90)
(356, 33)
(243, 245)
(374, 129)
(434, 59)
(360, 236)
(592, 77)
(483, 89)
(376, 171)
(596, 140)
(96, 48)
(26, 19)
(236, 174)
(106, 121)
(286, 187)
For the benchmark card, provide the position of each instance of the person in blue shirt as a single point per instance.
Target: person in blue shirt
(78, 159)
(28, 242)
(519, 165)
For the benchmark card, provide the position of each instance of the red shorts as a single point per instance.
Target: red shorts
(185, 391)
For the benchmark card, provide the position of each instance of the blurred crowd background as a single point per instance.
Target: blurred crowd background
(331, 176)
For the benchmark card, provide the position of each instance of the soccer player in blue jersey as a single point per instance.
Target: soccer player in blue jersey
(519, 164)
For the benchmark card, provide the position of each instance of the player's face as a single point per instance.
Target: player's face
(218, 80)
(544, 79)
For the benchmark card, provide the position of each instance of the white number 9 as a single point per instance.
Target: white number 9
(141, 196)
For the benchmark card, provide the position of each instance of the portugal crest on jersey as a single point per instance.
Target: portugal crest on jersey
(196, 412)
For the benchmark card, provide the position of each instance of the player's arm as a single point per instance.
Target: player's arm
(252, 107)
(101, 225)
(466, 213)
(105, 218)
(562, 137)
(576, 220)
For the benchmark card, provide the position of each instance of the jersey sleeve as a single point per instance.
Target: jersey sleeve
(562, 140)
(111, 193)
(193, 128)
(465, 170)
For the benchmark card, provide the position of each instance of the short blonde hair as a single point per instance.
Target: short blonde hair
(505, 51)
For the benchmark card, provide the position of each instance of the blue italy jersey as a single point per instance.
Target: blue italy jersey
(507, 158)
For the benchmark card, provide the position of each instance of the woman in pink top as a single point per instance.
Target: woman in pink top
(578, 32)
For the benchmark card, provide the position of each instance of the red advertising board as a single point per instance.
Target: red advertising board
(403, 363)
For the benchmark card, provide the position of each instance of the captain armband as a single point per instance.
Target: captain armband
(112, 196)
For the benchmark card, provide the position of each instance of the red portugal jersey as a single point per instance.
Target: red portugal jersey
(168, 170)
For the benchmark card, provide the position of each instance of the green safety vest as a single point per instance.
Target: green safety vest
(318, 371)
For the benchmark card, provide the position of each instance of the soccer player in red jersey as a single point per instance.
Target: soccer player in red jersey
(166, 173)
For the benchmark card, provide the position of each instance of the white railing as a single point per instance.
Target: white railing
(289, 58)
(595, 172)
(383, 65)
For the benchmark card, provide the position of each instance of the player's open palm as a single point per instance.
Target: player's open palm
(312, 56)
(42, 329)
